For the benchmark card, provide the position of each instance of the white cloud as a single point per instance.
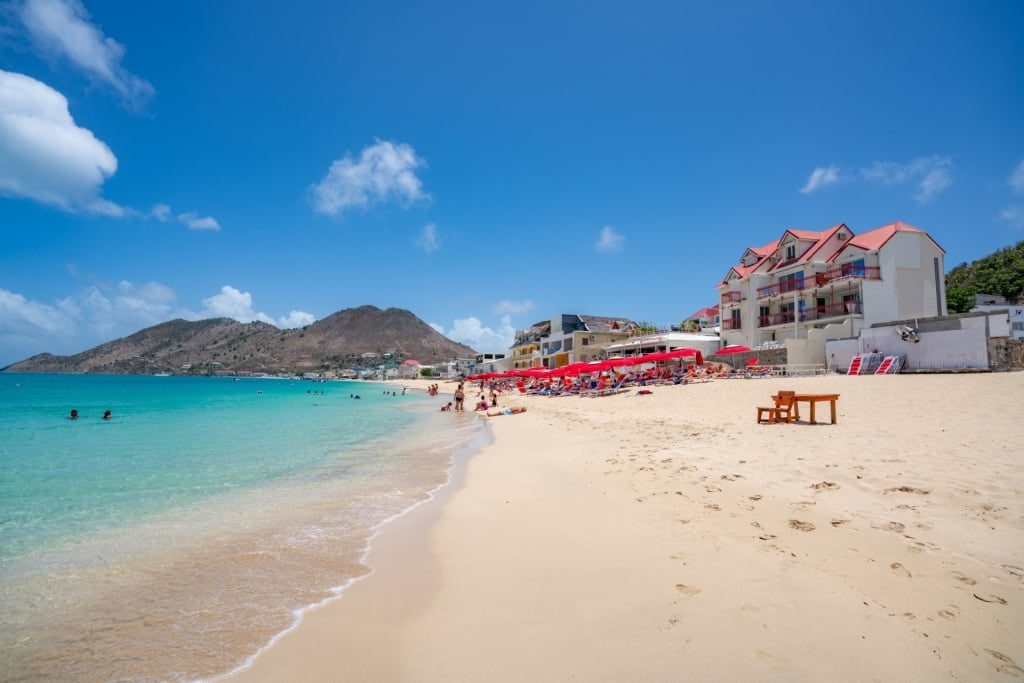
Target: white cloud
(428, 240)
(507, 307)
(44, 155)
(235, 304)
(1014, 215)
(161, 212)
(931, 174)
(609, 240)
(1016, 180)
(196, 222)
(296, 319)
(62, 28)
(232, 303)
(471, 332)
(821, 177)
(385, 171)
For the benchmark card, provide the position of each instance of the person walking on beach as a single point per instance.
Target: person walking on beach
(460, 396)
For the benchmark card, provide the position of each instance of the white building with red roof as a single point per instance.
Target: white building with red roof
(814, 286)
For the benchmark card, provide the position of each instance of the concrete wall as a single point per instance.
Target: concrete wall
(1006, 354)
(946, 342)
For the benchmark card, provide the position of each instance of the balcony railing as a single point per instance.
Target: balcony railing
(731, 297)
(847, 272)
(838, 310)
(832, 310)
(732, 324)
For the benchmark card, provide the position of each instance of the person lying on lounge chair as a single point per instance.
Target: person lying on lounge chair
(506, 411)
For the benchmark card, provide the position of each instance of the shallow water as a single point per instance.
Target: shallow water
(175, 540)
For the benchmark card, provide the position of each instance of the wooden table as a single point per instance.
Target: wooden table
(814, 399)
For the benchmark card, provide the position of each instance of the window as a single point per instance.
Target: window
(790, 252)
(585, 342)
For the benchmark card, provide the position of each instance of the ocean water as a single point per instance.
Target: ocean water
(175, 540)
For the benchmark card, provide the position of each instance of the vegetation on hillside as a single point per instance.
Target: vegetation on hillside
(1001, 274)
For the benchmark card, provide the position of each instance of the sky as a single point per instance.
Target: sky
(482, 165)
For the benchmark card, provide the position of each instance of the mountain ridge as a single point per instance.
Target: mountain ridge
(226, 345)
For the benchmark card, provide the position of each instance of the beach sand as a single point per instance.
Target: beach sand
(669, 537)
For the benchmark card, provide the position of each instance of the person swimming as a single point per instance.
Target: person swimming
(107, 415)
(73, 415)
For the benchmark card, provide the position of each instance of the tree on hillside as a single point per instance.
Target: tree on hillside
(1000, 273)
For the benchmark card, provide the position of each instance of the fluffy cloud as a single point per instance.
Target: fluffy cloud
(235, 304)
(1016, 180)
(609, 240)
(44, 155)
(821, 177)
(161, 212)
(471, 332)
(62, 29)
(428, 240)
(196, 222)
(385, 171)
(931, 174)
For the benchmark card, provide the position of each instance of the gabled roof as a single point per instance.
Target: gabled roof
(877, 238)
(709, 312)
(821, 239)
(762, 254)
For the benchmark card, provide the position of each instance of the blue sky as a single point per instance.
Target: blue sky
(483, 165)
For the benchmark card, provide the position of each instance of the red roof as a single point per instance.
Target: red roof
(709, 312)
(877, 238)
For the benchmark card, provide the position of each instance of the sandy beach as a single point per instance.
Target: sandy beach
(668, 537)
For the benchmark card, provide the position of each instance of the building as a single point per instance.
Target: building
(1015, 313)
(567, 338)
(814, 286)
(704, 320)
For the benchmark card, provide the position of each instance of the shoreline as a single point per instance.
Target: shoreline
(634, 537)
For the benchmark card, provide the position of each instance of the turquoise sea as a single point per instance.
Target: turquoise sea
(176, 539)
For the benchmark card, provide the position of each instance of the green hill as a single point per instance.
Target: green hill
(1001, 273)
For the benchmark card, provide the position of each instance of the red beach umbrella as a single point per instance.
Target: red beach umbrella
(736, 348)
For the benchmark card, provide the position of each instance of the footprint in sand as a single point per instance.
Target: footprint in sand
(687, 590)
(899, 569)
(1014, 570)
(712, 506)
(825, 486)
(950, 614)
(964, 579)
(991, 597)
(800, 526)
(907, 489)
(840, 522)
(756, 497)
(1007, 665)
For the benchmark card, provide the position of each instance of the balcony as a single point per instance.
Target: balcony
(842, 273)
(838, 310)
(731, 298)
(732, 324)
(833, 310)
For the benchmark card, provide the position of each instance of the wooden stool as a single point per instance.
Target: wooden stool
(765, 414)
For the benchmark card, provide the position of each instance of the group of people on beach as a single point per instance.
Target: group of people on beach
(489, 408)
(107, 415)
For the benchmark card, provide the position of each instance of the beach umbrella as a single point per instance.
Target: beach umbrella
(735, 348)
(687, 353)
